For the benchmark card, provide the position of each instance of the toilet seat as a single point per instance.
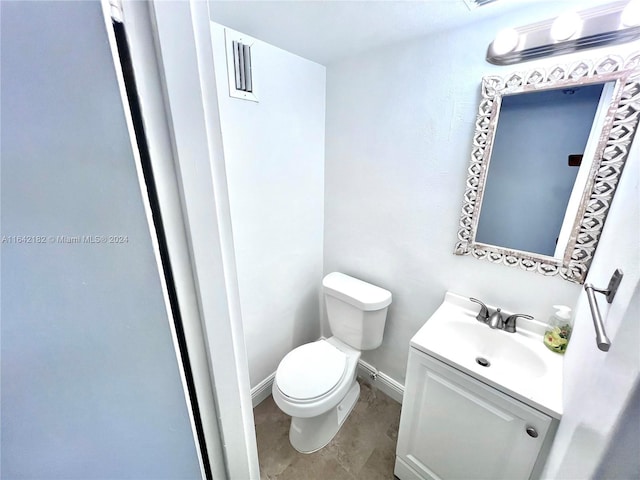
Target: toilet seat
(311, 371)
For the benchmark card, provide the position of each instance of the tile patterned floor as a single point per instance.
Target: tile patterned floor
(364, 448)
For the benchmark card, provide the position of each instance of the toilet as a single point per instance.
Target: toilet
(316, 383)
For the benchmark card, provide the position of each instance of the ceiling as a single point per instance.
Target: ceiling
(330, 30)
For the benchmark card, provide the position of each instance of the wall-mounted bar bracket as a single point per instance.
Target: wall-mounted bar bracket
(602, 340)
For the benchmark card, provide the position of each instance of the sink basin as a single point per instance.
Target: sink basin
(504, 351)
(517, 364)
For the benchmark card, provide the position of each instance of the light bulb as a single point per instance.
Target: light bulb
(565, 26)
(506, 41)
(631, 14)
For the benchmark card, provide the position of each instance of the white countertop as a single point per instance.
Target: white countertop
(521, 365)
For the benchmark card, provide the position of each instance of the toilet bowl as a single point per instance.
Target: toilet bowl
(316, 383)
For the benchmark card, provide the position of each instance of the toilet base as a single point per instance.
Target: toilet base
(308, 435)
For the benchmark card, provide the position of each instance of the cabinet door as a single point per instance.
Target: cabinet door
(455, 427)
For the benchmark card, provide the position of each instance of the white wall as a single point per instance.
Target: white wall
(274, 157)
(399, 128)
(598, 386)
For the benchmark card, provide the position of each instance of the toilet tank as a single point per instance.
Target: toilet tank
(357, 310)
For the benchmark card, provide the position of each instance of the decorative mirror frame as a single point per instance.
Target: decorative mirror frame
(615, 139)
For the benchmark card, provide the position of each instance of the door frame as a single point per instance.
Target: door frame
(178, 97)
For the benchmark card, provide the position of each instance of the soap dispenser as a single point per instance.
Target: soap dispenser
(558, 332)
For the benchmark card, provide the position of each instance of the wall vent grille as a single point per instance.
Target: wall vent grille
(242, 66)
(473, 4)
(241, 50)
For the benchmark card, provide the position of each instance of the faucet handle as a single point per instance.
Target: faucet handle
(510, 322)
(483, 315)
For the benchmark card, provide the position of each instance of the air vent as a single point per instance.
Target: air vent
(473, 4)
(240, 50)
(242, 66)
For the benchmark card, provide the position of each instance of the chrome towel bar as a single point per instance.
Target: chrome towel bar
(602, 340)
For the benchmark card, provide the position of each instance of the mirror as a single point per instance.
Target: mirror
(527, 190)
(548, 151)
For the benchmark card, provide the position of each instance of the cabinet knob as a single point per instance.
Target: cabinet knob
(532, 432)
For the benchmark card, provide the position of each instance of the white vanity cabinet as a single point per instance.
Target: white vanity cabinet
(456, 427)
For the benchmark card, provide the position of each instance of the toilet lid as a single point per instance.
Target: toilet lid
(310, 370)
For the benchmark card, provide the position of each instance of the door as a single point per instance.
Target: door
(91, 382)
(454, 427)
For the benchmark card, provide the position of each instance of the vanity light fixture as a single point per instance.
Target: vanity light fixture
(506, 41)
(617, 22)
(630, 16)
(565, 26)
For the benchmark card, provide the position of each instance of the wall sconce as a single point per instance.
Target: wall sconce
(617, 22)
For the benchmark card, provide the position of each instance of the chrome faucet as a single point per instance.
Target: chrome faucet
(496, 320)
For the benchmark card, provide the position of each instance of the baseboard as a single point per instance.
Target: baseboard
(382, 381)
(261, 391)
